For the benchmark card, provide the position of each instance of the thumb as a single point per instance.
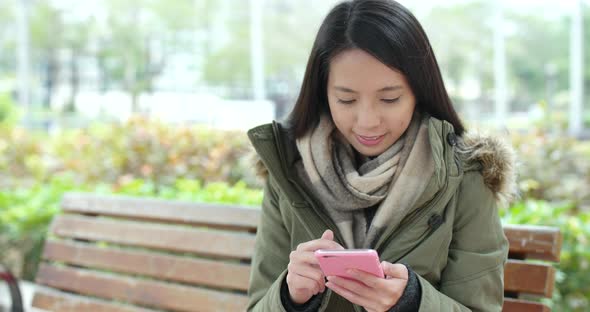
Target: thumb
(328, 234)
(397, 270)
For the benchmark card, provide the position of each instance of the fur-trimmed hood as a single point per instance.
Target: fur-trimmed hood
(497, 159)
(492, 155)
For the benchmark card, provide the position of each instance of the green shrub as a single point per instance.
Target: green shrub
(22, 157)
(9, 114)
(25, 214)
(137, 149)
(572, 292)
(152, 151)
(552, 167)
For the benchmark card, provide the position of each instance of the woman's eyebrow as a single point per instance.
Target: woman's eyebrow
(388, 88)
(344, 89)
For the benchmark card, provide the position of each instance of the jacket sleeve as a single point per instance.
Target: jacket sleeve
(271, 256)
(473, 279)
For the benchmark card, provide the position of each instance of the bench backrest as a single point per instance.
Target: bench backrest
(525, 278)
(135, 254)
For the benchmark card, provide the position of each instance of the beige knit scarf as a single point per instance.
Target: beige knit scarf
(393, 180)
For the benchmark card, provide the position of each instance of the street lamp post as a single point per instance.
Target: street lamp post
(256, 49)
(500, 98)
(576, 70)
(23, 55)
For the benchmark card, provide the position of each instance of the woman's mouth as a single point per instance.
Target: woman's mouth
(370, 140)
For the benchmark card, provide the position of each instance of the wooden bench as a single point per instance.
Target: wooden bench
(136, 254)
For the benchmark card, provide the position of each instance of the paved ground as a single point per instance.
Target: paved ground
(27, 289)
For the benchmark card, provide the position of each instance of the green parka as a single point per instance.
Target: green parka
(454, 243)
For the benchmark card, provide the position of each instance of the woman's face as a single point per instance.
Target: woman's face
(371, 104)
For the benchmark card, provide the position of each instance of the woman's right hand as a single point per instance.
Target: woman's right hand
(304, 277)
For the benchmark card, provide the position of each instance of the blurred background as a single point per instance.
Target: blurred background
(153, 97)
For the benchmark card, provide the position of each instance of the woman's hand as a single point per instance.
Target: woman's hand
(304, 277)
(373, 293)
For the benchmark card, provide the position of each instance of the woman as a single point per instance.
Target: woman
(373, 155)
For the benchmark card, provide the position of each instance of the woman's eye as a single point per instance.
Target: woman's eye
(390, 100)
(346, 101)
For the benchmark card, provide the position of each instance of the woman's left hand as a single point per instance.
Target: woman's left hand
(373, 293)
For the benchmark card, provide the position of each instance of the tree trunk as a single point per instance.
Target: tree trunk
(51, 69)
(74, 80)
(103, 83)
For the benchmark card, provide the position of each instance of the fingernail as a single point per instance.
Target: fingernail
(351, 271)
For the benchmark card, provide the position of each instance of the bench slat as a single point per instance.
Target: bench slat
(522, 277)
(53, 300)
(165, 237)
(225, 216)
(534, 242)
(141, 292)
(515, 305)
(182, 269)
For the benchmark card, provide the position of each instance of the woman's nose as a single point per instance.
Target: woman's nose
(368, 117)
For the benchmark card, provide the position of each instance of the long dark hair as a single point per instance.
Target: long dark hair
(389, 32)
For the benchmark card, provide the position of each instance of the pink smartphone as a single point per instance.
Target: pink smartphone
(336, 262)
